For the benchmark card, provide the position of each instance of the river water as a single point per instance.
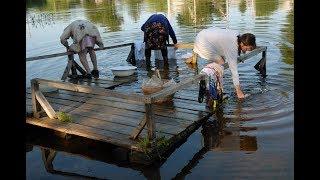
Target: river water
(253, 139)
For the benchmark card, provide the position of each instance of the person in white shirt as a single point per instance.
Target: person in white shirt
(223, 46)
(85, 35)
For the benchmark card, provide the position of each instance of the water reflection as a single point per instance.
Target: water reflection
(156, 6)
(266, 8)
(195, 13)
(219, 136)
(243, 6)
(104, 13)
(288, 33)
(134, 8)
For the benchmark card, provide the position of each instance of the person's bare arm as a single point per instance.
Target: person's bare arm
(65, 36)
(239, 92)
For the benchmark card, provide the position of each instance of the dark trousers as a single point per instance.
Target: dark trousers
(164, 53)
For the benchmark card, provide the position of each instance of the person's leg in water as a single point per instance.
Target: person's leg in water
(93, 57)
(84, 62)
(148, 56)
(164, 53)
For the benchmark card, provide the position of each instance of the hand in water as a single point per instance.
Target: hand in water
(240, 95)
(175, 46)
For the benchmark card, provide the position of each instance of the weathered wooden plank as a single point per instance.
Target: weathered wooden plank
(45, 105)
(135, 133)
(131, 54)
(71, 53)
(88, 89)
(163, 111)
(170, 90)
(66, 106)
(119, 123)
(79, 68)
(254, 52)
(36, 107)
(67, 70)
(85, 131)
(150, 122)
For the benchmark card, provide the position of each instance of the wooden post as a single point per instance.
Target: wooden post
(131, 58)
(261, 65)
(36, 107)
(150, 121)
(77, 66)
(71, 66)
(139, 128)
(45, 105)
(67, 70)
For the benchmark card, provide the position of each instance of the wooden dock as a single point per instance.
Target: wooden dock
(115, 119)
(102, 112)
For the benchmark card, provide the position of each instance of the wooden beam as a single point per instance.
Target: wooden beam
(131, 54)
(91, 90)
(150, 121)
(183, 45)
(36, 107)
(70, 53)
(67, 70)
(139, 128)
(244, 57)
(256, 51)
(45, 105)
(82, 71)
(170, 90)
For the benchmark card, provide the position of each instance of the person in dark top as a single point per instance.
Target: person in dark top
(156, 33)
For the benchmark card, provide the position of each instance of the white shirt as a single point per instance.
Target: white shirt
(213, 44)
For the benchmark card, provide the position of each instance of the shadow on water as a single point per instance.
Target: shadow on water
(52, 143)
(219, 137)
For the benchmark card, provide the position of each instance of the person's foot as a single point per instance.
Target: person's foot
(86, 76)
(73, 76)
(95, 73)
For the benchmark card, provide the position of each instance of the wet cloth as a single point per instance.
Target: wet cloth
(87, 42)
(213, 44)
(155, 36)
(214, 82)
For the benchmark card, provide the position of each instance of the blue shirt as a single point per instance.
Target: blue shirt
(164, 21)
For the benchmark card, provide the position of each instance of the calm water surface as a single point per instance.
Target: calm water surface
(244, 140)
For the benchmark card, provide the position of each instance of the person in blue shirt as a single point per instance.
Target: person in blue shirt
(156, 33)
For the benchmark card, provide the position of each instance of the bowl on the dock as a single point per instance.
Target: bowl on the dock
(123, 71)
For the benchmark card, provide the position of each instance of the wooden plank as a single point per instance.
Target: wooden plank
(67, 70)
(45, 105)
(162, 111)
(138, 129)
(150, 122)
(170, 90)
(183, 45)
(165, 125)
(71, 53)
(169, 126)
(117, 123)
(36, 107)
(131, 54)
(85, 131)
(254, 52)
(88, 89)
(79, 68)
